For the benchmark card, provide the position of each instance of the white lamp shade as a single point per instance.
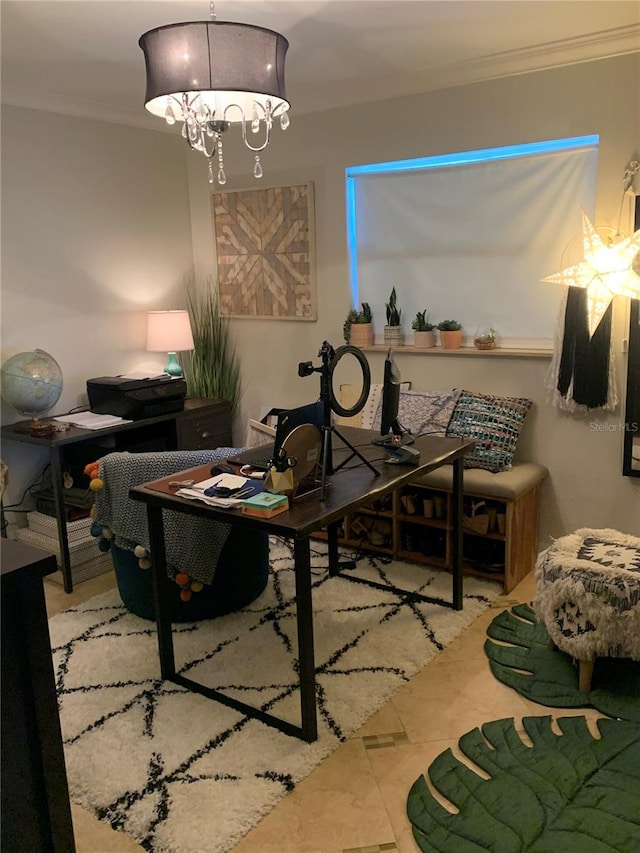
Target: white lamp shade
(169, 331)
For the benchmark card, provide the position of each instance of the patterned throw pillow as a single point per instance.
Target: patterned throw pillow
(423, 412)
(349, 396)
(495, 424)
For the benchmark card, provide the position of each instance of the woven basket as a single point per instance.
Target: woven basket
(477, 524)
(361, 335)
(394, 336)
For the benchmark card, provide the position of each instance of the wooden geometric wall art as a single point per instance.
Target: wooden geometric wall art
(265, 248)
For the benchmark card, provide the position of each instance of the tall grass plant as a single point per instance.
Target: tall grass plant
(213, 368)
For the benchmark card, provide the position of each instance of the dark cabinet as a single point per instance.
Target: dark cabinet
(201, 425)
(36, 814)
(204, 427)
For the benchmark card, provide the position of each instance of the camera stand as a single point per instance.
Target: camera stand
(328, 356)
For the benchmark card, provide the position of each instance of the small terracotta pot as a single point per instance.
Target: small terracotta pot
(451, 339)
(424, 340)
(361, 335)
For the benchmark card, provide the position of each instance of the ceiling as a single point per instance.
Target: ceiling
(81, 57)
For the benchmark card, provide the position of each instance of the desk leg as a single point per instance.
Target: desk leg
(57, 480)
(457, 533)
(304, 616)
(161, 591)
(332, 548)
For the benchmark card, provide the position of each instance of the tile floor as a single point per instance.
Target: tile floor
(354, 802)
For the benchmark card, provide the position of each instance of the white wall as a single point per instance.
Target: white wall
(95, 231)
(586, 487)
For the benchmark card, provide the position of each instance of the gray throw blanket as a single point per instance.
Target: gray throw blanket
(193, 545)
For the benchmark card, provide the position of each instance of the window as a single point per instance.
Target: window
(468, 236)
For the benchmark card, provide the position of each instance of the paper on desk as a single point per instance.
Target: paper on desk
(90, 420)
(228, 481)
(144, 374)
(195, 495)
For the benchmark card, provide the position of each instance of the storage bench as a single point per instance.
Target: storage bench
(415, 522)
(515, 496)
(501, 510)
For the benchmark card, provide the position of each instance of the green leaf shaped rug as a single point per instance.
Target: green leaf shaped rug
(567, 792)
(550, 677)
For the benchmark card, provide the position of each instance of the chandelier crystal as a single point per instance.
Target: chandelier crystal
(213, 74)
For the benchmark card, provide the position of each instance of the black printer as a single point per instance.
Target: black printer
(136, 398)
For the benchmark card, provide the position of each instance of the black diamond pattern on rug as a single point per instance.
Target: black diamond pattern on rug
(178, 771)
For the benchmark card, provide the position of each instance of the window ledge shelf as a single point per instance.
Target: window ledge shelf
(498, 352)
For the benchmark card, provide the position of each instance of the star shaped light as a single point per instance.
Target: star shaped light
(606, 271)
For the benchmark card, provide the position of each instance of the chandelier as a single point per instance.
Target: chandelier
(212, 74)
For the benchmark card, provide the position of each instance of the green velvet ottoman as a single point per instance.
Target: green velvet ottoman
(241, 575)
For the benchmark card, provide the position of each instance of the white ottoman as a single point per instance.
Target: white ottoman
(588, 596)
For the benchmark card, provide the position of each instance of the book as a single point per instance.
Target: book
(75, 496)
(265, 513)
(265, 500)
(88, 569)
(79, 529)
(47, 506)
(79, 552)
(265, 505)
(91, 420)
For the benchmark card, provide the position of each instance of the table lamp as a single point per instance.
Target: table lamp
(170, 332)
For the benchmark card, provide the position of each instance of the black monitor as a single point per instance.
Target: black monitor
(391, 430)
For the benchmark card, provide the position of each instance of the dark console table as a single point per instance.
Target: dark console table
(36, 815)
(203, 424)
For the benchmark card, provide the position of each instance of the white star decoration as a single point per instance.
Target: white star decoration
(606, 271)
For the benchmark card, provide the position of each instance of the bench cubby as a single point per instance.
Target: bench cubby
(500, 529)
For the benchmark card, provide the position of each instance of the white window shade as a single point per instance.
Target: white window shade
(471, 241)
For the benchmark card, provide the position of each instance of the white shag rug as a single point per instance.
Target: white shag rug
(183, 774)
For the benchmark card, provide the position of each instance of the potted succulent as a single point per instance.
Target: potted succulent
(393, 334)
(450, 334)
(423, 337)
(485, 339)
(358, 327)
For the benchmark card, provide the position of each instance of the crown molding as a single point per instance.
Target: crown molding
(604, 44)
(29, 99)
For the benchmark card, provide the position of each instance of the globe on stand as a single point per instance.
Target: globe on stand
(32, 384)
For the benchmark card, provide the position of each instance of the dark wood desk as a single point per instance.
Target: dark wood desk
(36, 815)
(350, 488)
(202, 424)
